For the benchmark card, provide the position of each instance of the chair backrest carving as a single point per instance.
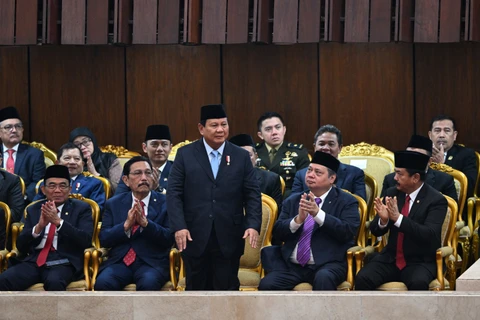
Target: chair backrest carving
(175, 148)
(49, 155)
(460, 180)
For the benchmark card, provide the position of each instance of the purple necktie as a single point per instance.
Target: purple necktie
(303, 250)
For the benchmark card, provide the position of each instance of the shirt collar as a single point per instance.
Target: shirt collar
(414, 194)
(145, 200)
(210, 149)
(162, 166)
(270, 148)
(15, 147)
(324, 196)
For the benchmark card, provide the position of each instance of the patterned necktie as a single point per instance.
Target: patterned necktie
(131, 255)
(400, 259)
(42, 256)
(303, 249)
(10, 161)
(272, 154)
(215, 162)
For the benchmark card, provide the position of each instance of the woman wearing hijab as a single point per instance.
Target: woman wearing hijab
(98, 163)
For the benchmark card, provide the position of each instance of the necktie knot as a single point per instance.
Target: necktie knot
(318, 201)
(272, 154)
(10, 152)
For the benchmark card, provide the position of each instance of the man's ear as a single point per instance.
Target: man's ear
(125, 180)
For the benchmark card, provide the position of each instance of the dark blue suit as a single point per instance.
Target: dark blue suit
(348, 177)
(30, 165)
(152, 244)
(74, 237)
(329, 244)
(163, 182)
(88, 187)
(11, 194)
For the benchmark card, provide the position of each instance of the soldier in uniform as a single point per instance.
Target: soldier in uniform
(275, 153)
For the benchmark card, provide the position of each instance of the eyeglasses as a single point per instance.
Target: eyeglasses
(61, 186)
(9, 127)
(84, 142)
(138, 173)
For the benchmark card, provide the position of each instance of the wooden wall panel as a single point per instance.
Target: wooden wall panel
(73, 22)
(191, 21)
(145, 22)
(168, 85)
(333, 25)
(447, 81)
(26, 22)
(380, 20)
(168, 21)
(366, 90)
(403, 24)
(121, 26)
(237, 21)
(50, 16)
(356, 20)
(74, 86)
(14, 82)
(426, 20)
(97, 22)
(309, 18)
(272, 78)
(450, 21)
(7, 18)
(474, 20)
(261, 13)
(285, 14)
(214, 21)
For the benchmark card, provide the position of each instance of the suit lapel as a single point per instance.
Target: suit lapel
(152, 207)
(164, 176)
(22, 150)
(328, 203)
(430, 178)
(78, 183)
(66, 213)
(418, 201)
(341, 176)
(223, 168)
(2, 182)
(202, 158)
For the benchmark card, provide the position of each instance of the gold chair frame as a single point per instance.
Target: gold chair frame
(175, 148)
(50, 156)
(476, 192)
(8, 221)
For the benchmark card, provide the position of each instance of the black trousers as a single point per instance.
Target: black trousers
(212, 270)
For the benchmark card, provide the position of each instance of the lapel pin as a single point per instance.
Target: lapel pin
(66, 213)
(450, 158)
(165, 179)
(77, 186)
(418, 201)
(228, 160)
(155, 200)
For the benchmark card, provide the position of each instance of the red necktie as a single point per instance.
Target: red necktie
(42, 256)
(400, 259)
(131, 255)
(10, 162)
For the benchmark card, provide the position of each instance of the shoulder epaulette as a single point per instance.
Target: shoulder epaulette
(259, 144)
(295, 145)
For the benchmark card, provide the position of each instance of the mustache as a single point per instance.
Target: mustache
(144, 184)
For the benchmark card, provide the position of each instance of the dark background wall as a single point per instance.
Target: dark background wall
(377, 93)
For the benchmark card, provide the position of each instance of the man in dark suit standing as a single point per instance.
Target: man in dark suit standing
(56, 233)
(277, 155)
(269, 181)
(414, 213)
(317, 228)
(441, 181)
(443, 134)
(157, 146)
(18, 158)
(210, 184)
(135, 227)
(11, 194)
(70, 156)
(329, 139)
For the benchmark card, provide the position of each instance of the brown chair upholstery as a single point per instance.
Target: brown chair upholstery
(49, 155)
(348, 284)
(81, 285)
(251, 271)
(122, 153)
(8, 220)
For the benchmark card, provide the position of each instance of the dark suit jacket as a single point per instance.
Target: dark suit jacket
(202, 204)
(464, 159)
(163, 182)
(329, 242)
(73, 238)
(441, 181)
(289, 159)
(88, 187)
(422, 228)
(152, 244)
(30, 165)
(270, 185)
(11, 194)
(348, 177)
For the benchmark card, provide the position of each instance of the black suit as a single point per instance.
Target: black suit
(270, 185)
(463, 159)
(441, 181)
(422, 237)
(213, 212)
(329, 244)
(11, 194)
(73, 238)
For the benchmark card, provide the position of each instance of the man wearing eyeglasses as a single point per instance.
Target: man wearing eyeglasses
(18, 158)
(135, 227)
(56, 233)
(157, 146)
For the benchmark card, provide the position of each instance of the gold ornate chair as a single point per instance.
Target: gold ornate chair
(50, 156)
(446, 254)
(371, 188)
(250, 271)
(348, 284)
(81, 285)
(8, 220)
(106, 183)
(476, 191)
(473, 205)
(175, 148)
(462, 229)
(374, 160)
(122, 153)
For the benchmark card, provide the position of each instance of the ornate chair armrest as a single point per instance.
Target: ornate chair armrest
(174, 267)
(12, 254)
(3, 260)
(87, 258)
(445, 252)
(97, 257)
(459, 225)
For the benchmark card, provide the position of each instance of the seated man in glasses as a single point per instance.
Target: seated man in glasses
(56, 233)
(70, 156)
(135, 227)
(18, 158)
